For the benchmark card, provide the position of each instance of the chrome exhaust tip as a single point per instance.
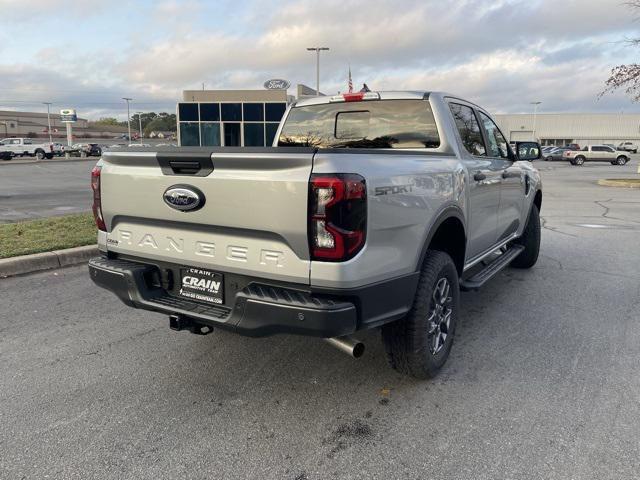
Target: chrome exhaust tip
(348, 345)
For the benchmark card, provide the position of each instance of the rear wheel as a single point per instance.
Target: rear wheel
(39, 154)
(530, 240)
(419, 344)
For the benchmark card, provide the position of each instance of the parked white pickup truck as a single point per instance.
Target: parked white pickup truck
(25, 146)
(597, 153)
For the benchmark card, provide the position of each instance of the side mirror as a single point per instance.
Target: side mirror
(528, 151)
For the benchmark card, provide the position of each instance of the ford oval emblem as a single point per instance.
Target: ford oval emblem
(184, 198)
(276, 84)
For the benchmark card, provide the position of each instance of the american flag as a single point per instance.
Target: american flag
(350, 81)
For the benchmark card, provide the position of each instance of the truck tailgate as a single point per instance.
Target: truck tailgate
(253, 222)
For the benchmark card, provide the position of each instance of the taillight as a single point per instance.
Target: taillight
(337, 216)
(97, 200)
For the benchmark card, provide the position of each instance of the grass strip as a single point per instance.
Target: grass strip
(47, 234)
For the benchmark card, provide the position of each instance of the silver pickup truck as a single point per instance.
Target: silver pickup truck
(370, 210)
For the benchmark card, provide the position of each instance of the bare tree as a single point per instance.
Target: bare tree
(626, 77)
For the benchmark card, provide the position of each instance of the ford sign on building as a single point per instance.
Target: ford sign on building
(276, 84)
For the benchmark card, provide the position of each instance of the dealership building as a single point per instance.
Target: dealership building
(250, 118)
(230, 118)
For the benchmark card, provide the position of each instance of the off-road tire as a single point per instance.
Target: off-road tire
(407, 341)
(530, 240)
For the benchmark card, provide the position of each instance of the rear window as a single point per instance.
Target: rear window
(373, 124)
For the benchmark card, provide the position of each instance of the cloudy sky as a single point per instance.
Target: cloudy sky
(503, 54)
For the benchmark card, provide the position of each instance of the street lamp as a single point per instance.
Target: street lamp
(128, 116)
(140, 123)
(48, 104)
(535, 112)
(317, 50)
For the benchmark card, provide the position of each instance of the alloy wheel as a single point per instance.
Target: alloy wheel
(439, 316)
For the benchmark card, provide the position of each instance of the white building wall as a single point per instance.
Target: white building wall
(581, 128)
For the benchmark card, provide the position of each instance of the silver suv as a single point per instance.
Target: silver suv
(371, 210)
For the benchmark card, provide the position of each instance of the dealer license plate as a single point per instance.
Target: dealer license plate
(202, 285)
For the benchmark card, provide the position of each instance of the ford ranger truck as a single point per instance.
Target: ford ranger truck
(371, 210)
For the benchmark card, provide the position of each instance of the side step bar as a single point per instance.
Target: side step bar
(491, 269)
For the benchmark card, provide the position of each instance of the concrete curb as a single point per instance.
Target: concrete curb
(620, 182)
(46, 260)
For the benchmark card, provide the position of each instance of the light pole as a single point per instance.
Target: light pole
(535, 112)
(48, 104)
(317, 50)
(126, 99)
(140, 123)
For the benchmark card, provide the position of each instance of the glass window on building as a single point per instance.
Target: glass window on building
(210, 134)
(188, 112)
(232, 135)
(253, 112)
(254, 134)
(231, 112)
(209, 112)
(273, 112)
(270, 130)
(189, 134)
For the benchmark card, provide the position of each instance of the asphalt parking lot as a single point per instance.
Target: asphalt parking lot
(44, 189)
(542, 381)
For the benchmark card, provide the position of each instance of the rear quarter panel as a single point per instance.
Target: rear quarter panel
(406, 191)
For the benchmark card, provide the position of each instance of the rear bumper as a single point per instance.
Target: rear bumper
(257, 308)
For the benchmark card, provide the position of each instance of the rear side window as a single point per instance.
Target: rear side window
(469, 129)
(372, 124)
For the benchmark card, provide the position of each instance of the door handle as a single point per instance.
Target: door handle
(479, 176)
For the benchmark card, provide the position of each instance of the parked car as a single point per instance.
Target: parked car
(628, 147)
(72, 150)
(350, 222)
(93, 150)
(556, 153)
(573, 146)
(19, 146)
(596, 153)
(58, 149)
